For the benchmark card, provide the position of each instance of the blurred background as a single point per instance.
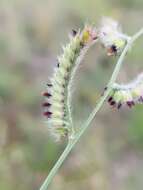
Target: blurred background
(110, 155)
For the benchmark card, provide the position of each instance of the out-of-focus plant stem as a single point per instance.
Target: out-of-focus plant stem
(77, 136)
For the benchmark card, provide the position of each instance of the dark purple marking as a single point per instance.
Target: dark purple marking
(46, 104)
(119, 106)
(112, 103)
(114, 48)
(58, 64)
(110, 99)
(46, 94)
(49, 85)
(133, 103)
(95, 37)
(74, 32)
(129, 104)
(48, 114)
(141, 99)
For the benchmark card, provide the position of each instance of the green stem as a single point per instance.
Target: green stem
(72, 142)
(56, 167)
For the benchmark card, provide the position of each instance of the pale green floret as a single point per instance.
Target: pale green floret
(118, 96)
(63, 131)
(57, 109)
(62, 71)
(59, 77)
(58, 122)
(112, 92)
(57, 88)
(66, 64)
(136, 92)
(59, 130)
(127, 97)
(57, 105)
(63, 60)
(69, 50)
(57, 96)
(56, 81)
(57, 114)
(56, 99)
(120, 44)
(122, 96)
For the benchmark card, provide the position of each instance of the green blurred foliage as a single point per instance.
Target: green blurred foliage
(31, 34)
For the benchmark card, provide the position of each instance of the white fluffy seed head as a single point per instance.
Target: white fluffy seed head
(111, 36)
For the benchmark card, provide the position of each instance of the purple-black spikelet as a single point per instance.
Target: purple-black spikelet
(56, 106)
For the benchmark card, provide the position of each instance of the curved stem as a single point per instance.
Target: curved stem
(72, 142)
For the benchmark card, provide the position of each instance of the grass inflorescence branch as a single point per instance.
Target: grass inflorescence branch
(115, 43)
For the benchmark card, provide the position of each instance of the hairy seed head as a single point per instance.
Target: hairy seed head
(58, 94)
(127, 94)
(111, 36)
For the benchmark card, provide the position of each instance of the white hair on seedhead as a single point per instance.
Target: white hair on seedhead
(135, 82)
(57, 106)
(110, 30)
(109, 24)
